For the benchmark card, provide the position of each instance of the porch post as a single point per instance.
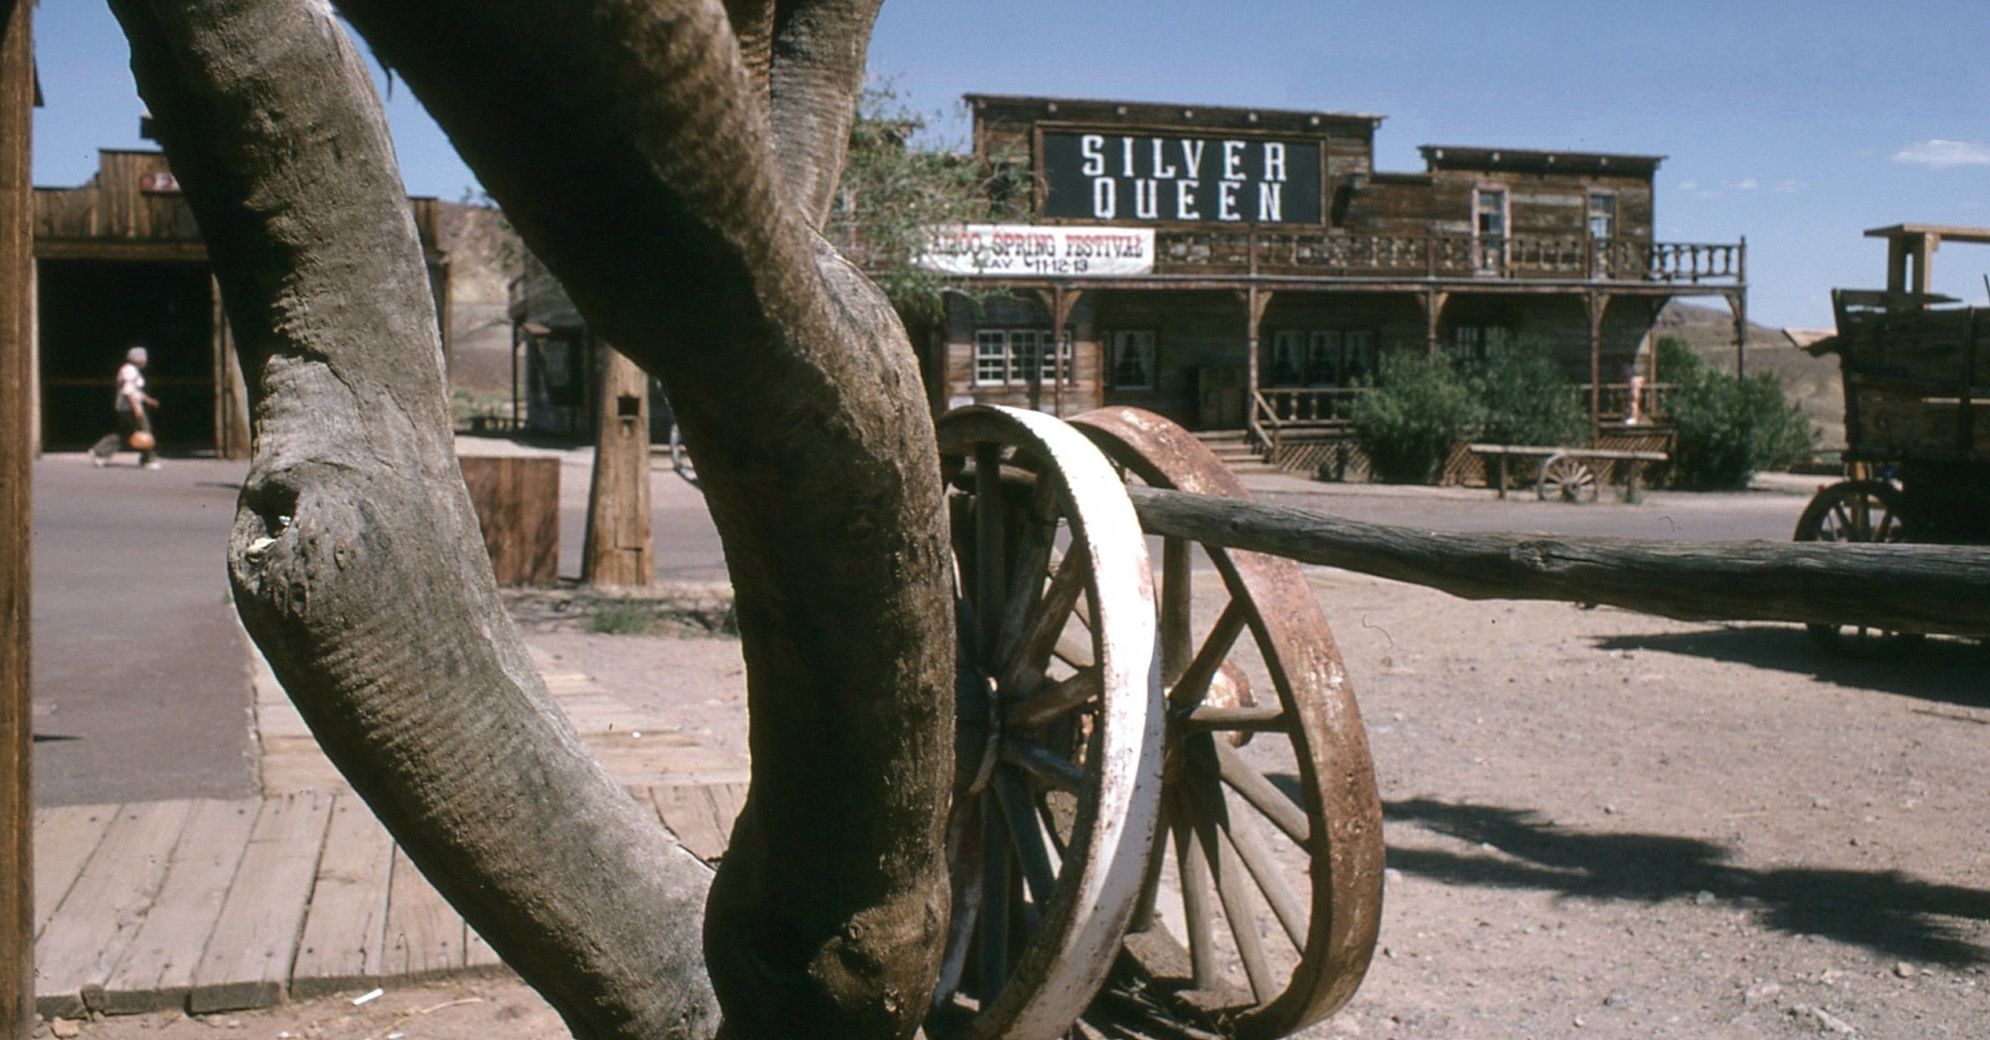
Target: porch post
(1737, 301)
(1256, 301)
(1597, 303)
(1062, 302)
(17, 890)
(1433, 309)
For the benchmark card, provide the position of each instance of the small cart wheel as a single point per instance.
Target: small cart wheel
(1060, 727)
(1565, 478)
(1285, 834)
(1855, 511)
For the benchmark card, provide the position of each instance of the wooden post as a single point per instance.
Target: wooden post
(1256, 302)
(1597, 303)
(1737, 302)
(1433, 311)
(17, 890)
(618, 502)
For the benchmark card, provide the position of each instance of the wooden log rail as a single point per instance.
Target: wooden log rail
(1921, 588)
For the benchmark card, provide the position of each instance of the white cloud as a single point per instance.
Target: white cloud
(1791, 186)
(1748, 184)
(1939, 154)
(1688, 185)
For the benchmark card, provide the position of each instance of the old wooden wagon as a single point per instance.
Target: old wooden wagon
(1918, 454)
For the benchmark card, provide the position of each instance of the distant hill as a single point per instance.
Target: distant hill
(1812, 383)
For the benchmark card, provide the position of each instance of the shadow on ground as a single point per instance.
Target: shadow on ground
(1946, 670)
(1888, 912)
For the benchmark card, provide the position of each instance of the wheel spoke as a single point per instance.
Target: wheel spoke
(1177, 634)
(1059, 698)
(988, 523)
(1272, 802)
(1194, 683)
(1039, 536)
(1193, 867)
(1026, 837)
(1043, 765)
(1256, 718)
(1041, 633)
(966, 847)
(992, 957)
(1264, 869)
(1229, 878)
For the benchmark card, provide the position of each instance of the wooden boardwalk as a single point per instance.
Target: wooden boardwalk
(213, 906)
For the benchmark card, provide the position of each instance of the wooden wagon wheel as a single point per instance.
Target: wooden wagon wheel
(1060, 722)
(1855, 511)
(1565, 478)
(1292, 826)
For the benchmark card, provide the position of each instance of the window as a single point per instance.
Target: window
(1357, 356)
(1020, 357)
(1323, 360)
(1131, 355)
(1602, 215)
(1489, 229)
(1479, 342)
(1286, 349)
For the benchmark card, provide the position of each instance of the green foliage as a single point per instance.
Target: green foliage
(893, 190)
(1420, 406)
(1728, 428)
(1525, 399)
(619, 618)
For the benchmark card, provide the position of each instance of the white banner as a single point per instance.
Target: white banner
(1026, 251)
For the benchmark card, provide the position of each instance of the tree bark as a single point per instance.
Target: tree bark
(616, 551)
(628, 145)
(1915, 588)
(355, 559)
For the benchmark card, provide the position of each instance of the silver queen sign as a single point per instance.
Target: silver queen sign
(1175, 178)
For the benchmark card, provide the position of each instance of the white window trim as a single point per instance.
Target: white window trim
(1014, 371)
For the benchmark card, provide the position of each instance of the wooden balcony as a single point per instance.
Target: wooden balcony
(1448, 258)
(1285, 412)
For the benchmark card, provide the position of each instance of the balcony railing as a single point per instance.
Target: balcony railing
(1314, 410)
(1338, 254)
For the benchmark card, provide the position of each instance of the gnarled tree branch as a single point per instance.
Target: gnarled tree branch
(626, 143)
(355, 558)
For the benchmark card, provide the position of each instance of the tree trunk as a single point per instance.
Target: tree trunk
(355, 558)
(617, 549)
(630, 146)
(634, 152)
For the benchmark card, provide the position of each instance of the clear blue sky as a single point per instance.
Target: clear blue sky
(1795, 123)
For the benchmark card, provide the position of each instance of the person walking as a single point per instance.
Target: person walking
(134, 423)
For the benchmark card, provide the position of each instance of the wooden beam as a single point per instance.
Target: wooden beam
(17, 890)
(1921, 588)
(618, 502)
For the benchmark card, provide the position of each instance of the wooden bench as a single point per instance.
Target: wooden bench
(1565, 474)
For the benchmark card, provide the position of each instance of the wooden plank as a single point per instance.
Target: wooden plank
(96, 922)
(424, 933)
(247, 962)
(478, 957)
(344, 941)
(17, 443)
(64, 839)
(692, 813)
(156, 971)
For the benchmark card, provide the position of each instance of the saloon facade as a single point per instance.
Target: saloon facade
(1242, 269)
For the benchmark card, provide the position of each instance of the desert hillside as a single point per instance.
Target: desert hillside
(1811, 382)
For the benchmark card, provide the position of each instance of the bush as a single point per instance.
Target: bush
(1525, 399)
(1420, 406)
(1728, 428)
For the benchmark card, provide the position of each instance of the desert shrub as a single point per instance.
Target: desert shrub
(1524, 398)
(1419, 407)
(1728, 428)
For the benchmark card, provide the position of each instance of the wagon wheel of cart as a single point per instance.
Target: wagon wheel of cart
(1283, 831)
(1855, 511)
(1565, 478)
(1060, 725)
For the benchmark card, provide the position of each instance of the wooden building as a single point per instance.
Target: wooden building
(1243, 269)
(119, 262)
